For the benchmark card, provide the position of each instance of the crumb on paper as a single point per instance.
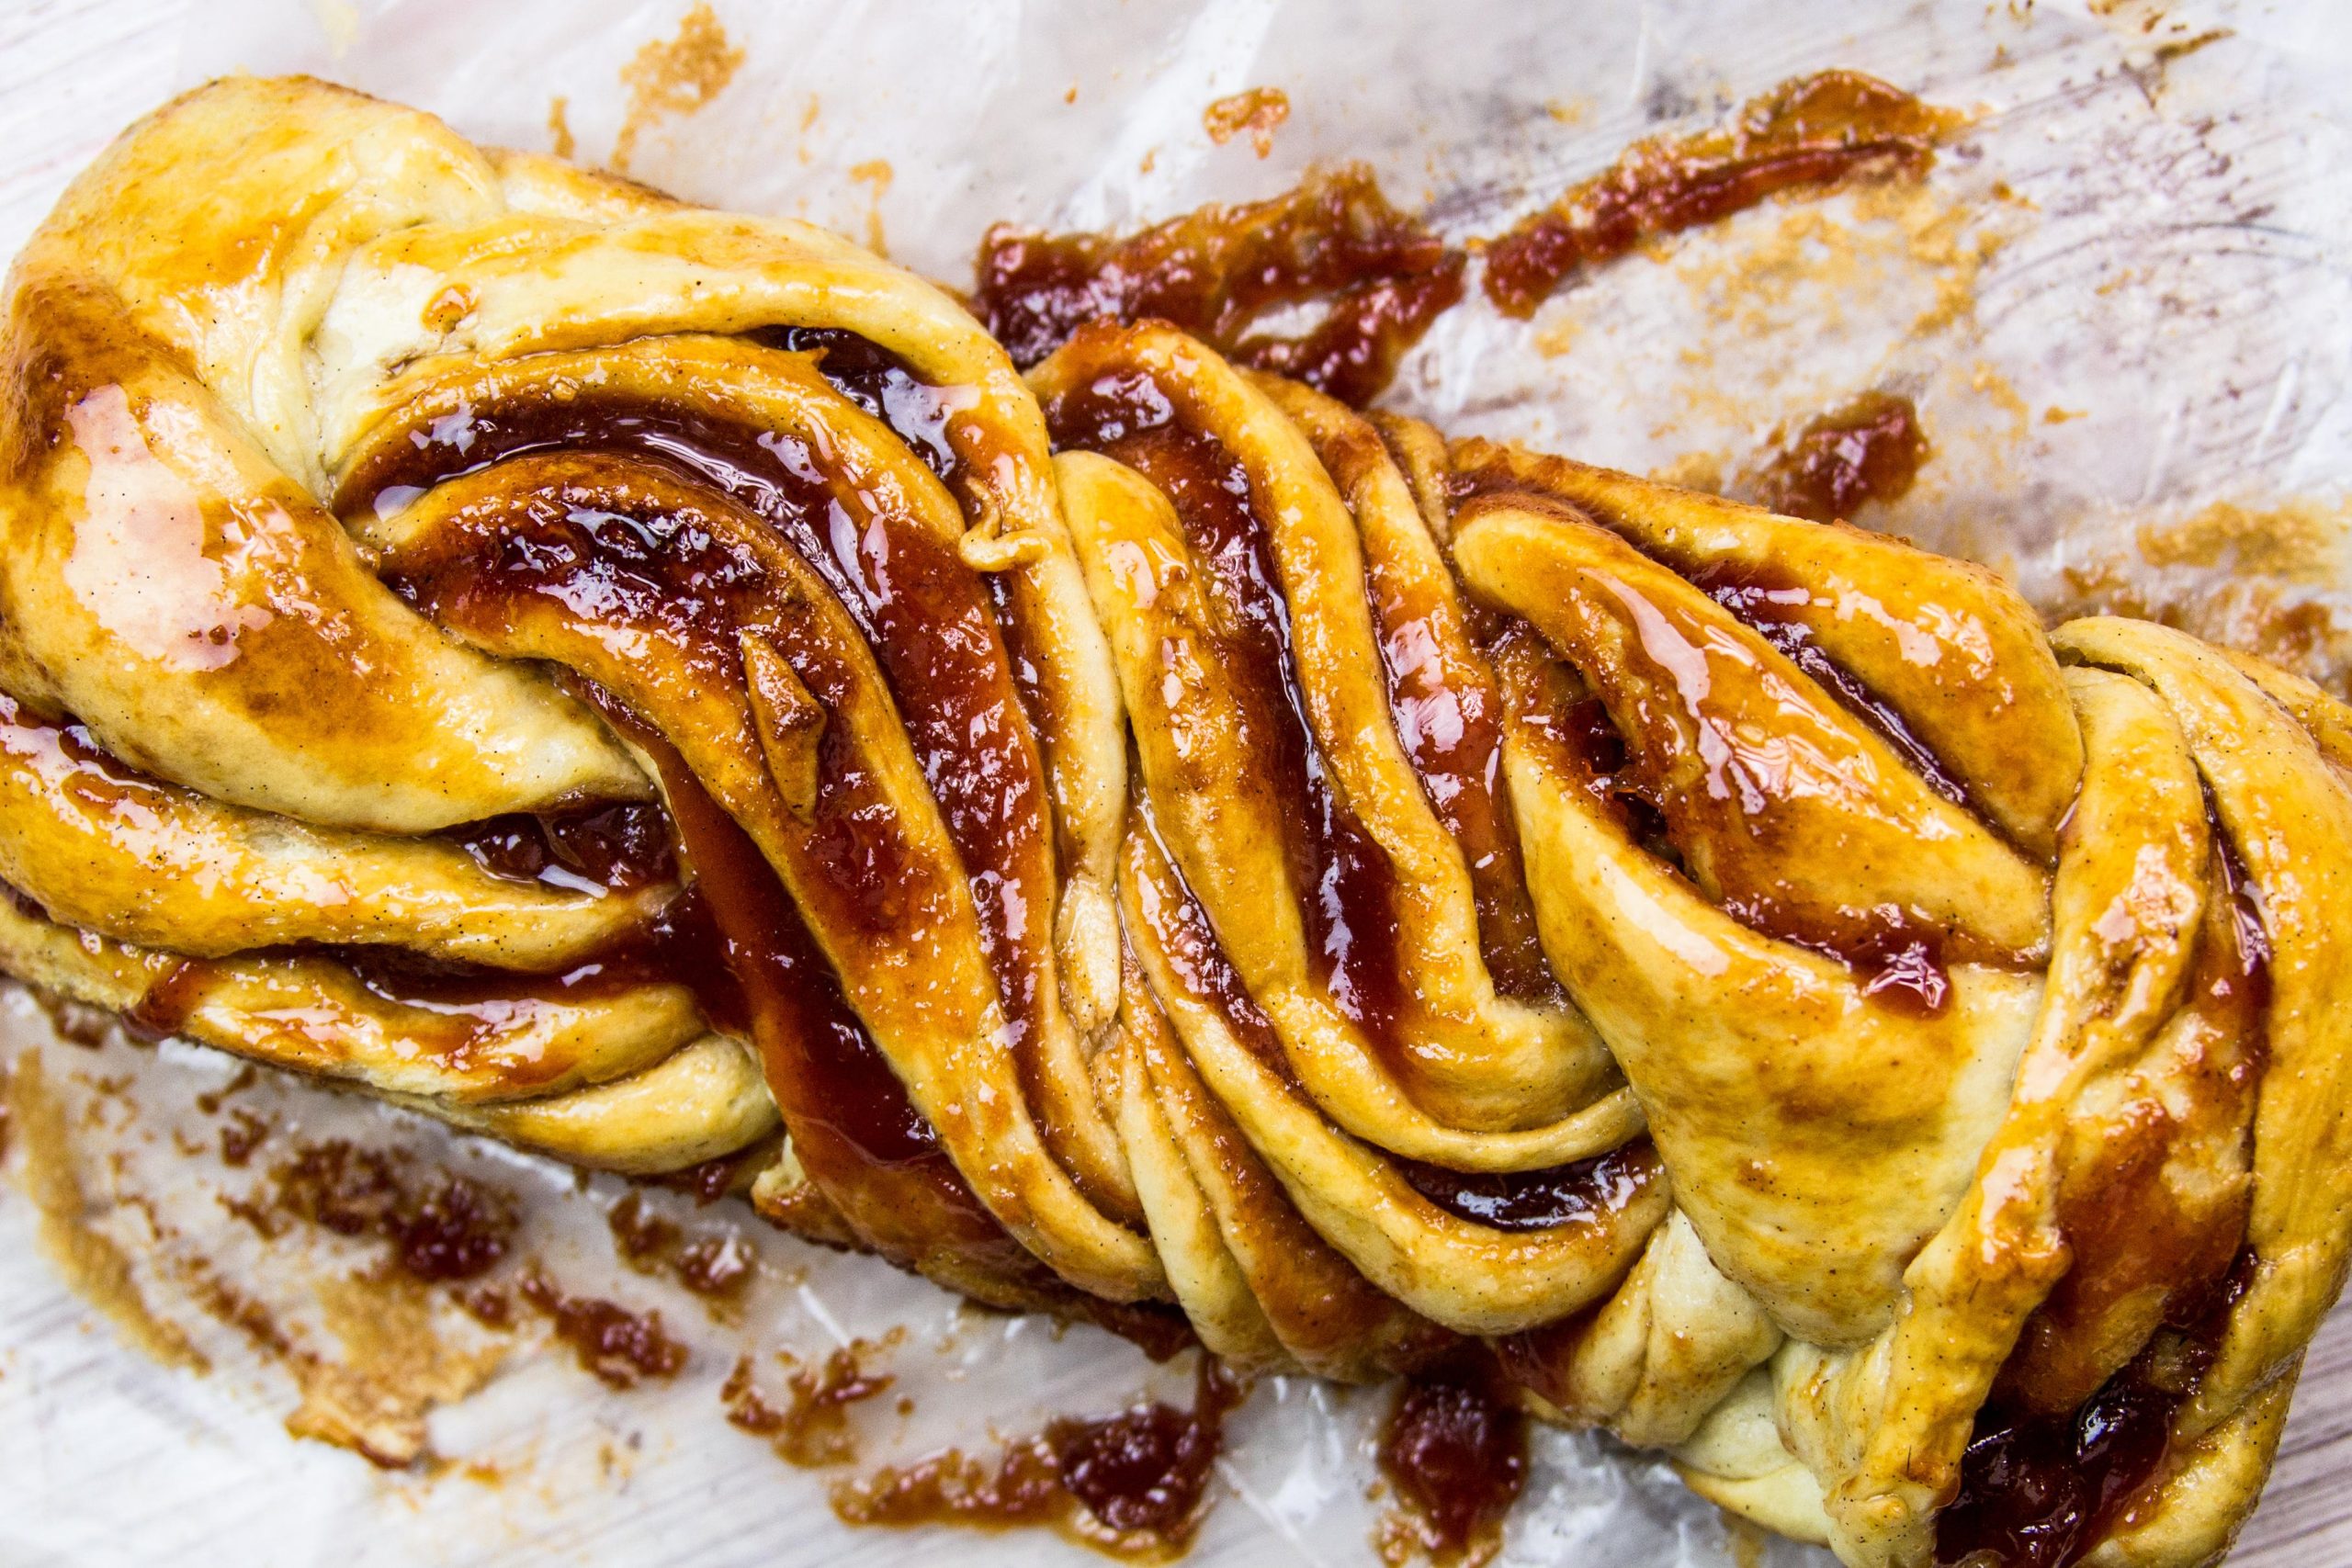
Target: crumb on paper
(2299, 540)
(1258, 111)
(89, 1260)
(396, 1367)
(560, 127)
(2054, 414)
(876, 172)
(808, 114)
(1570, 111)
(1998, 391)
(1557, 336)
(1938, 237)
(1886, 247)
(675, 76)
(339, 23)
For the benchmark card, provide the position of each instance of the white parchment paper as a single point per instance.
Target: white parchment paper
(2122, 299)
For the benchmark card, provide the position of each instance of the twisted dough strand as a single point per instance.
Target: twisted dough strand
(616, 676)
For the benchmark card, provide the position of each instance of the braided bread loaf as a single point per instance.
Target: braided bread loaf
(616, 676)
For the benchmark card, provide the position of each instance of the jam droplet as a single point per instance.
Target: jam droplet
(1454, 1451)
(619, 1348)
(1870, 449)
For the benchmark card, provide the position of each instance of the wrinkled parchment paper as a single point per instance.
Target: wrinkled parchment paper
(2122, 304)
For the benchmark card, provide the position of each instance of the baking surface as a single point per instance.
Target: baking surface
(2239, 342)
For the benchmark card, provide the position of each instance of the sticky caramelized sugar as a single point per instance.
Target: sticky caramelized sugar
(1448, 720)
(2138, 1231)
(620, 847)
(716, 1265)
(619, 1348)
(1814, 131)
(1345, 884)
(2042, 1491)
(470, 1003)
(886, 386)
(2041, 1488)
(441, 1229)
(1454, 1451)
(1381, 275)
(852, 1127)
(811, 1428)
(1769, 601)
(1180, 931)
(1132, 1484)
(1539, 1200)
(1870, 449)
(926, 615)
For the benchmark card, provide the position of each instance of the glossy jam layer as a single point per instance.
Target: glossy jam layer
(2042, 1491)
(1537, 1200)
(1903, 958)
(2040, 1488)
(852, 1128)
(1345, 884)
(1814, 131)
(1448, 717)
(1380, 276)
(620, 847)
(2142, 1238)
(925, 616)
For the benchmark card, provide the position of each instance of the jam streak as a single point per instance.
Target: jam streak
(1448, 717)
(1346, 885)
(1814, 131)
(926, 617)
(1382, 275)
(1901, 959)
(2042, 1491)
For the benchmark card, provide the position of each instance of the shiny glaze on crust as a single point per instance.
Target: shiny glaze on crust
(1904, 957)
(1448, 715)
(1537, 1200)
(1342, 879)
(854, 1131)
(923, 613)
(927, 617)
(619, 847)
